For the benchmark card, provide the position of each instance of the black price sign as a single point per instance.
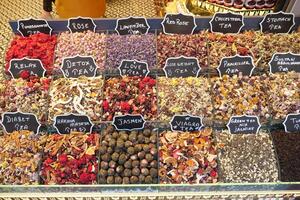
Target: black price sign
(186, 123)
(292, 123)
(27, 27)
(17, 121)
(285, 62)
(226, 23)
(33, 66)
(235, 65)
(182, 67)
(81, 24)
(133, 68)
(178, 24)
(132, 26)
(279, 22)
(129, 122)
(66, 124)
(243, 124)
(74, 67)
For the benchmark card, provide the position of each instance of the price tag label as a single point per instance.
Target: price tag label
(129, 122)
(66, 124)
(81, 24)
(178, 24)
(74, 67)
(33, 66)
(243, 124)
(186, 123)
(27, 27)
(132, 26)
(235, 65)
(182, 67)
(292, 123)
(133, 68)
(17, 121)
(285, 62)
(279, 22)
(226, 23)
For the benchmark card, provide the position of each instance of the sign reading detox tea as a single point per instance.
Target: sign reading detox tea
(277, 22)
(132, 26)
(33, 66)
(182, 67)
(129, 122)
(186, 123)
(133, 68)
(178, 24)
(285, 62)
(292, 123)
(74, 67)
(17, 121)
(226, 23)
(81, 24)
(243, 124)
(236, 65)
(65, 124)
(27, 27)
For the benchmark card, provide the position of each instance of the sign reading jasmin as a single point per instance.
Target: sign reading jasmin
(17, 121)
(32, 26)
(186, 123)
(292, 123)
(285, 62)
(132, 26)
(133, 68)
(178, 24)
(81, 24)
(226, 23)
(66, 124)
(33, 66)
(235, 65)
(279, 22)
(129, 122)
(244, 124)
(182, 67)
(73, 67)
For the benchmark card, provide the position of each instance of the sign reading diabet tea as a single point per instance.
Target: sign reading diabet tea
(129, 122)
(65, 124)
(244, 124)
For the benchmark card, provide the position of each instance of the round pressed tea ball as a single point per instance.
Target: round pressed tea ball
(128, 144)
(110, 128)
(133, 137)
(111, 172)
(147, 140)
(112, 164)
(126, 180)
(141, 138)
(134, 157)
(120, 144)
(134, 179)
(115, 156)
(135, 163)
(144, 163)
(147, 132)
(118, 180)
(138, 147)
(103, 173)
(130, 150)
(145, 171)
(102, 180)
(153, 172)
(104, 165)
(148, 179)
(115, 135)
(112, 143)
(110, 150)
(123, 135)
(146, 148)
(110, 180)
(135, 171)
(119, 169)
(141, 178)
(149, 157)
(105, 157)
(102, 149)
(141, 155)
(153, 164)
(153, 138)
(122, 159)
(127, 172)
(128, 164)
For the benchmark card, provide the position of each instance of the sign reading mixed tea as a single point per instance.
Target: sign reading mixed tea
(244, 124)
(279, 22)
(129, 122)
(133, 68)
(74, 67)
(235, 65)
(226, 23)
(182, 67)
(285, 62)
(27, 27)
(132, 26)
(81, 24)
(66, 124)
(178, 24)
(17, 121)
(33, 66)
(292, 123)
(186, 123)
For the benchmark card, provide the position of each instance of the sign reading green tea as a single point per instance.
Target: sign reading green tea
(226, 23)
(66, 124)
(279, 22)
(186, 123)
(81, 24)
(178, 24)
(74, 67)
(17, 121)
(244, 124)
(133, 68)
(129, 122)
(27, 27)
(182, 67)
(292, 123)
(33, 66)
(285, 62)
(132, 26)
